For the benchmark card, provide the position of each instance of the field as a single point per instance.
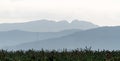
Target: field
(73, 55)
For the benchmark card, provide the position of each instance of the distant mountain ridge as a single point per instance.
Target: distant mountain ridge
(47, 26)
(98, 38)
(15, 37)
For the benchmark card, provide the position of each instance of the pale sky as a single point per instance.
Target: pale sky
(100, 12)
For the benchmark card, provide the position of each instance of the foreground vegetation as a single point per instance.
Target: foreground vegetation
(64, 55)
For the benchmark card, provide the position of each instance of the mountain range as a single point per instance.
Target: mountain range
(47, 26)
(14, 37)
(97, 38)
(57, 35)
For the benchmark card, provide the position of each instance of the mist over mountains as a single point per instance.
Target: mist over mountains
(47, 26)
(14, 37)
(57, 35)
(17, 33)
(98, 38)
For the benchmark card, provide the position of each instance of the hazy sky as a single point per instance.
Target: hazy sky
(101, 12)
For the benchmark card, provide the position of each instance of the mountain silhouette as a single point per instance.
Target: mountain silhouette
(47, 26)
(98, 38)
(14, 37)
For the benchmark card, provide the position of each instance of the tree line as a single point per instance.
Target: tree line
(65, 55)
